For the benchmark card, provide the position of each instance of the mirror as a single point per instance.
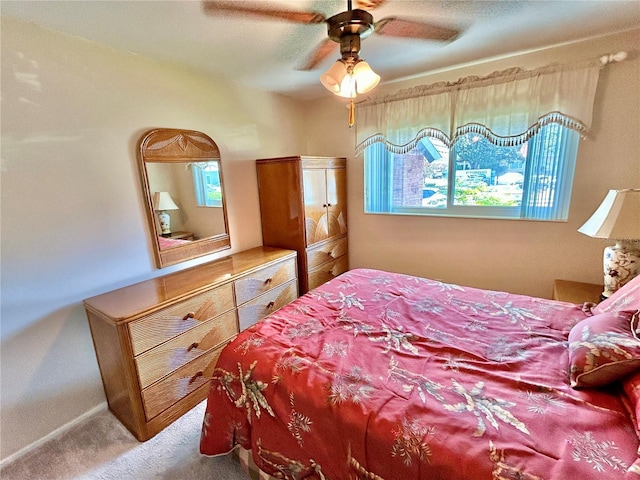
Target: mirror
(181, 175)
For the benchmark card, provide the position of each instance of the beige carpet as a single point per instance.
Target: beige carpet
(101, 448)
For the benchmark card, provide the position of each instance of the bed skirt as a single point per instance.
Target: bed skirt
(247, 464)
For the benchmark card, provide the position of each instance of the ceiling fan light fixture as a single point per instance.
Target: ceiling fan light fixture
(347, 80)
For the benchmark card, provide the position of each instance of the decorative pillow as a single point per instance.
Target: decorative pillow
(631, 387)
(604, 348)
(626, 298)
(631, 400)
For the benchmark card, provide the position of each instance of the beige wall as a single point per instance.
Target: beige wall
(73, 223)
(518, 256)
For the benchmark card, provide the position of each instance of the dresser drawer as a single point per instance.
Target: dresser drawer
(326, 252)
(257, 309)
(160, 326)
(327, 271)
(154, 364)
(265, 279)
(165, 393)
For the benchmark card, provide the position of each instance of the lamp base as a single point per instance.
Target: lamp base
(621, 264)
(165, 223)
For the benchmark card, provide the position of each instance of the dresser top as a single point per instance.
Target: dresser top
(150, 294)
(308, 161)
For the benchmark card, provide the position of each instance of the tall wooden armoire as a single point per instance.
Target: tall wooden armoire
(303, 206)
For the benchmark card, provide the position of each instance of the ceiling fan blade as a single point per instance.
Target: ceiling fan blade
(368, 4)
(322, 51)
(397, 27)
(249, 8)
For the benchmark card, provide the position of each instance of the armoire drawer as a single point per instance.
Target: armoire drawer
(158, 362)
(327, 271)
(326, 252)
(257, 309)
(264, 280)
(168, 391)
(164, 324)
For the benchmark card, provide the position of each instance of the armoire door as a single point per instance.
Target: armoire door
(315, 204)
(336, 183)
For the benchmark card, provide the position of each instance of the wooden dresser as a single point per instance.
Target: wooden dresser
(303, 206)
(157, 341)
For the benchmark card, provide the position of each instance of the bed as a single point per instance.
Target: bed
(167, 242)
(379, 375)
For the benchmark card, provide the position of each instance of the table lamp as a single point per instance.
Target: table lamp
(617, 218)
(162, 202)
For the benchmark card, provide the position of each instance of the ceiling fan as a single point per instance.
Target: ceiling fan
(347, 28)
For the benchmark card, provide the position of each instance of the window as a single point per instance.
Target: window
(475, 177)
(499, 146)
(206, 181)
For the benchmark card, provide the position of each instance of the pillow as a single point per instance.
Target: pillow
(631, 400)
(625, 298)
(631, 388)
(604, 348)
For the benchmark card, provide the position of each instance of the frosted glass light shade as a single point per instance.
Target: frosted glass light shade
(345, 81)
(163, 201)
(332, 78)
(617, 217)
(366, 79)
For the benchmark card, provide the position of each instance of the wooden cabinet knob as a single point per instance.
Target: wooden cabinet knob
(189, 315)
(192, 346)
(268, 281)
(270, 305)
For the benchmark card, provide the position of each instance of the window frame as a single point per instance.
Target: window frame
(200, 185)
(567, 147)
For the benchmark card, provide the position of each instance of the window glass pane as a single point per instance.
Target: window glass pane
(206, 180)
(487, 174)
(420, 176)
(530, 181)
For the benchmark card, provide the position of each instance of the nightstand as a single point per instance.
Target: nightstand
(576, 292)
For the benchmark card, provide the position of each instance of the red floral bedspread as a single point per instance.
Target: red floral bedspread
(167, 242)
(377, 375)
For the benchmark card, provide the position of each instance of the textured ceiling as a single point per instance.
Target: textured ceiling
(266, 53)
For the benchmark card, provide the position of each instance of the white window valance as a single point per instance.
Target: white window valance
(507, 107)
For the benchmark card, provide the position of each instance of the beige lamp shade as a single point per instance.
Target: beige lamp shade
(163, 201)
(617, 217)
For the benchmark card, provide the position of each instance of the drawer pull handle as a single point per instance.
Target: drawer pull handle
(268, 281)
(195, 377)
(192, 346)
(270, 305)
(188, 316)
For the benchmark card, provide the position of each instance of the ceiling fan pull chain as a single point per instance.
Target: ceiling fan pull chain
(352, 114)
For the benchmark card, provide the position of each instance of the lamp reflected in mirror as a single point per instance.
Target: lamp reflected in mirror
(162, 202)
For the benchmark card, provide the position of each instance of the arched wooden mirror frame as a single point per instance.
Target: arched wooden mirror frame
(168, 145)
